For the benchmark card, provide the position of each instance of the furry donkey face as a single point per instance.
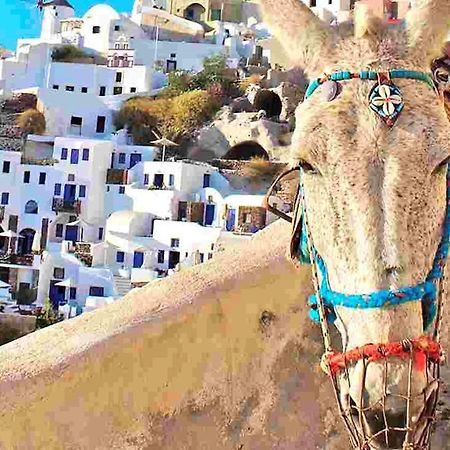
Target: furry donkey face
(375, 195)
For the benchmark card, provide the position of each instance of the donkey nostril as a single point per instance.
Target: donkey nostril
(376, 423)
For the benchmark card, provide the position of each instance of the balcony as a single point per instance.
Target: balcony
(62, 206)
(20, 260)
(117, 176)
(83, 252)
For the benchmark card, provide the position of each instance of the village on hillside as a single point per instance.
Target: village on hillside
(134, 145)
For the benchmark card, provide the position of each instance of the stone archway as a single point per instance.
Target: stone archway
(268, 101)
(245, 151)
(195, 12)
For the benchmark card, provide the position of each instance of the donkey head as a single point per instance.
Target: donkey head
(375, 195)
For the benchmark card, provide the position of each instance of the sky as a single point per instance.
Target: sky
(21, 19)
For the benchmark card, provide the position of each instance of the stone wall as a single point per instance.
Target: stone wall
(258, 219)
(13, 326)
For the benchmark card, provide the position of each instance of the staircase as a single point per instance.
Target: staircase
(122, 285)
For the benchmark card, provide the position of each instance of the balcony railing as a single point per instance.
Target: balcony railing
(83, 252)
(20, 260)
(61, 205)
(117, 176)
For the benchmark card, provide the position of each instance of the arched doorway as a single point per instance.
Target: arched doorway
(269, 102)
(245, 151)
(195, 11)
(25, 244)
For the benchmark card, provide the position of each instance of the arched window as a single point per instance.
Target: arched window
(31, 207)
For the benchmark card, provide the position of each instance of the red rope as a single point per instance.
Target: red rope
(422, 347)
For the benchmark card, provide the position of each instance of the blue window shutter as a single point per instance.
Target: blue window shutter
(59, 230)
(120, 257)
(5, 198)
(64, 153)
(57, 188)
(85, 156)
(121, 189)
(82, 191)
(74, 156)
(122, 158)
(146, 178)
(42, 177)
(171, 180)
(73, 293)
(100, 233)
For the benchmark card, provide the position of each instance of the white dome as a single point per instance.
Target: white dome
(103, 12)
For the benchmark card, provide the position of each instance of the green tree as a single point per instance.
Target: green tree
(31, 121)
(70, 53)
(48, 315)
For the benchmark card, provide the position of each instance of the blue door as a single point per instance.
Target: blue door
(231, 217)
(134, 159)
(71, 233)
(57, 294)
(209, 214)
(69, 192)
(138, 259)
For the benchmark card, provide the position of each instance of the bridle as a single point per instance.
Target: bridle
(423, 352)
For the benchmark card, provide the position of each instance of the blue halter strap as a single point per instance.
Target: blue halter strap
(426, 291)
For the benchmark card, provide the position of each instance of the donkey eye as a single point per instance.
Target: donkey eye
(442, 165)
(308, 168)
(441, 76)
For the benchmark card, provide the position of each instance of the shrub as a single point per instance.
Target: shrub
(245, 83)
(48, 315)
(31, 121)
(174, 118)
(70, 53)
(259, 168)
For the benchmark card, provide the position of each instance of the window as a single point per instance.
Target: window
(118, 77)
(116, 27)
(74, 156)
(117, 90)
(71, 177)
(186, 254)
(206, 180)
(57, 188)
(82, 191)
(85, 154)
(31, 207)
(96, 291)
(146, 178)
(216, 14)
(5, 198)
(64, 152)
(102, 92)
(76, 121)
(26, 176)
(210, 255)
(210, 199)
(6, 166)
(72, 293)
(59, 230)
(55, 87)
(173, 55)
(202, 257)
(175, 243)
(171, 180)
(70, 88)
(107, 189)
(42, 177)
(160, 256)
(120, 257)
(133, 90)
(122, 158)
(58, 273)
(312, 3)
(212, 246)
(84, 90)
(100, 233)
(121, 189)
(95, 29)
(100, 124)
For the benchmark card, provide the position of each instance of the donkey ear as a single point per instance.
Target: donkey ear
(304, 37)
(428, 24)
(366, 25)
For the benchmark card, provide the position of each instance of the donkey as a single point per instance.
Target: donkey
(373, 160)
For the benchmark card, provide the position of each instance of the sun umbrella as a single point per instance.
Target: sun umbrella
(164, 142)
(36, 247)
(68, 282)
(9, 234)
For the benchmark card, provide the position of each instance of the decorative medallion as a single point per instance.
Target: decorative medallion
(386, 100)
